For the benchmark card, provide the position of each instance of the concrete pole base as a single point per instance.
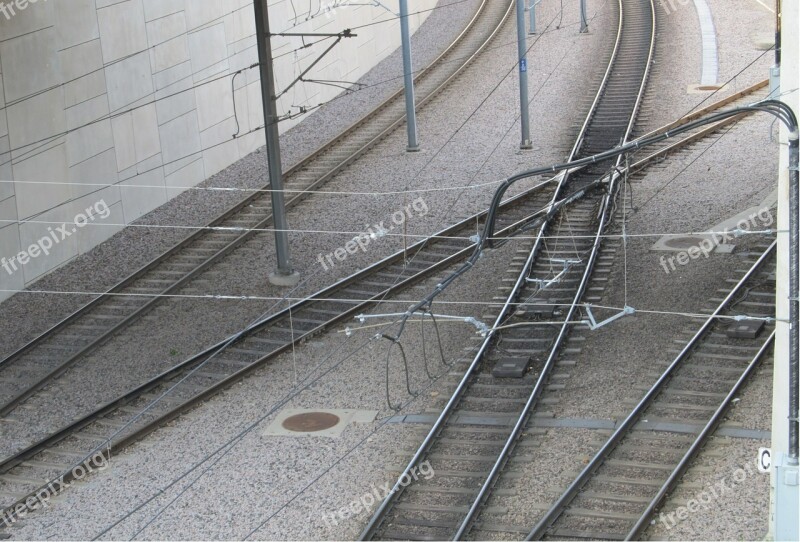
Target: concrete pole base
(277, 278)
(526, 146)
(413, 149)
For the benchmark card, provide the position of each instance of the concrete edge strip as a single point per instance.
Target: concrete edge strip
(590, 423)
(708, 33)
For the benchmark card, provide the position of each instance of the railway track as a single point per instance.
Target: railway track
(26, 471)
(227, 362)
(662, 150)
(474, 439)
(617, 493)
(216, 368)
(40, 362)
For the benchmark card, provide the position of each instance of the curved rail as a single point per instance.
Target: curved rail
(445, 248)
(607, 207)
(232, 217)
(584, 136)
(516, 210)
(517, 207)
(625, 428)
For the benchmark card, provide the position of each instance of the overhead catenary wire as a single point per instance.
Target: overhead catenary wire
(195, 153)
(776, 108)
(401, 348)
(218, 297)
(184, 34)
(499, 239)
(51, 138)
(103, 186)
(312, 483)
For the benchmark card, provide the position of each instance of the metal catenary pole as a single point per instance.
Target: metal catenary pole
(522, 50)
(284, 275)
(532, 10)
(584, 20)
(408, 75)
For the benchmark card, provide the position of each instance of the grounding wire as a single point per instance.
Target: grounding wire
(402, 352)
(180, 159)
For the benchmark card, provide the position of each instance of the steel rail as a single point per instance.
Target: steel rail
(541, 382)
(608, 199)
(465, 225)
(700, 113)
(381, 513)
(599, 458)
(508, 448)
(98, 341)
(76, 426)
(694, 449)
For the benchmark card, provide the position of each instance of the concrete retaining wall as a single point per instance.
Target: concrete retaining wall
(137, 93)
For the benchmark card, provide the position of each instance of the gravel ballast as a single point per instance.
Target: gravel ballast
(282, 487)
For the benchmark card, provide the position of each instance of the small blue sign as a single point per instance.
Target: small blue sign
(523, 65)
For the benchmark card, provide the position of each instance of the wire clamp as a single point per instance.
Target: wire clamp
(378, 234)
(482, 328)
(544, 283)
(743, 317)
(594, 325)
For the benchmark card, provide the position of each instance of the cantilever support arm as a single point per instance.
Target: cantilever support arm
(339, 37)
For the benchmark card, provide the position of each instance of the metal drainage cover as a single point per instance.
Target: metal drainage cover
(316, 422)
(310, 422)
(683, 242)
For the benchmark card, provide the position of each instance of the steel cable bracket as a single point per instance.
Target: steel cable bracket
(743, 317)
(594, 325)
(544, 283)
(480, 326)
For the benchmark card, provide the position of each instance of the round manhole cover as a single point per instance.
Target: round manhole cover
(310, 422)
(683, 242)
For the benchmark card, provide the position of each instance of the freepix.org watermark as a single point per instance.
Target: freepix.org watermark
(705, 499)
(670, 6)
(55, 236)
(378, 494)
(761, 219)
(9, 9)
(97, 462)
(330, 7)
(363, 240)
